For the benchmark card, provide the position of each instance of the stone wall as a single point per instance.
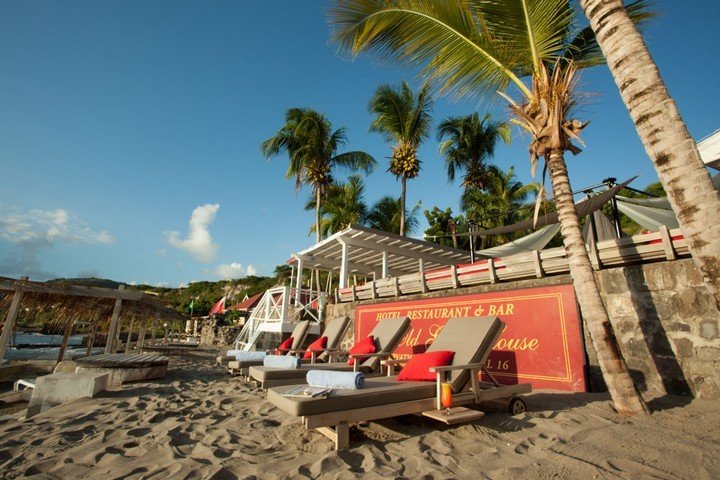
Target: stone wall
(216, 336)
(663, 317)
(667, 327)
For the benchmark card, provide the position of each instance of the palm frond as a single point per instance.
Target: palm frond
(536, 28)
(440, 36)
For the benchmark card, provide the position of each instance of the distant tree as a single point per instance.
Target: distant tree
(385, 215)
(311, 144)
(467, 143)
(402, 117)
(282, 274)
(657, 189)
(344, 205)
(443, 227)
(502, 202)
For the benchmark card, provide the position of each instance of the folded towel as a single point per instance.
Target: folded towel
(249, 356)
(287, 362)
(232, 353)
(334, 379)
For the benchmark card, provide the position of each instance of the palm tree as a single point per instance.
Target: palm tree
(691, 193)
(312, 145)
(470, 143)
(475, 48)
(344, 205)
(502, 202)
(386, 215)
(402, 117)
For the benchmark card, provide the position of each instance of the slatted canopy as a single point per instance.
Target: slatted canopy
(709, 148)
(366, 251)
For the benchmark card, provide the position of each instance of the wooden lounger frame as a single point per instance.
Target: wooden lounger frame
(336, 425)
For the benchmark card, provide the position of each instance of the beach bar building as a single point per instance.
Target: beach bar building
(653, 292)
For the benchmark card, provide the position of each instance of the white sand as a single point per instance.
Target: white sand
(200, 423)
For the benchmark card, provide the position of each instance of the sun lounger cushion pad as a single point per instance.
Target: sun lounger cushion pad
(284, 346)
(232, 353)
(318, 344)
(418, 367)
(331, 379)
(263, 373)
(363, 346)
(377, 391)
(282, 361)
(249, 356)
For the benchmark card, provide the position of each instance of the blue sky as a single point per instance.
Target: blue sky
(119, 119)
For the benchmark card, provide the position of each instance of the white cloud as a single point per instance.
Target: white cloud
(161, 252)
(36, 230)
(48, 226)
(199, 242)
(229, 271)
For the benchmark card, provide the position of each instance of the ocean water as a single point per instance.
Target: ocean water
(40, 339)
(50, 348)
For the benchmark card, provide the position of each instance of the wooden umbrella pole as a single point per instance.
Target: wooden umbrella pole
(130, 331)
(66, 337)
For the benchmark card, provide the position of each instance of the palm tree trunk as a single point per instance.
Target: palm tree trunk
(693, 198)
(625, 396)
(403, 180)
(317, 214)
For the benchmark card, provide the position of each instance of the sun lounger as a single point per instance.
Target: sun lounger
(470, 338)
(334, 331)
(387, 334)
(298, 334)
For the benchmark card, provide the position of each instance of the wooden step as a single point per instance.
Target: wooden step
(456, 415)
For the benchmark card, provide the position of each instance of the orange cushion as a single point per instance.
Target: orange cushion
(418, 367)
(318, 344)
(284, 346)
(363, 346)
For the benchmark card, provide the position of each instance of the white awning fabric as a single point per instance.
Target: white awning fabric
(651, 213)
(535, 241)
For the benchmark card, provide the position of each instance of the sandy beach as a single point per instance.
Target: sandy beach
(199, 423)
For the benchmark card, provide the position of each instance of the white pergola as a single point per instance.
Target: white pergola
(366, 251)
(709, 148)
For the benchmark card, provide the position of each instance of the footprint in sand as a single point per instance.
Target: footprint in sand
(533, 444)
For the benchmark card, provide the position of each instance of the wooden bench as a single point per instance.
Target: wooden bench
(125, 367)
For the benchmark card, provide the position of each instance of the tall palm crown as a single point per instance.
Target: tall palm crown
(501, 202)
(403, 118)
(469, 143)
(479, 47)
(311, 144)
(385, 215)
(344, 205)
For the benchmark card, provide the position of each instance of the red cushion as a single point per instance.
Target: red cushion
(318, 344)
(284, 346)
(418, 367)
(363, 346)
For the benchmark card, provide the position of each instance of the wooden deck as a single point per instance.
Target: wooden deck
(662, 245)
(123, 360)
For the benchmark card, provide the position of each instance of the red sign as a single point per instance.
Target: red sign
(541, 343)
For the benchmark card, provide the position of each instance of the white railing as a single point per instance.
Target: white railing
(655, 246)
(276, 311)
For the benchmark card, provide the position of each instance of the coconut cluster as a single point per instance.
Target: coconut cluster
(404, 162)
